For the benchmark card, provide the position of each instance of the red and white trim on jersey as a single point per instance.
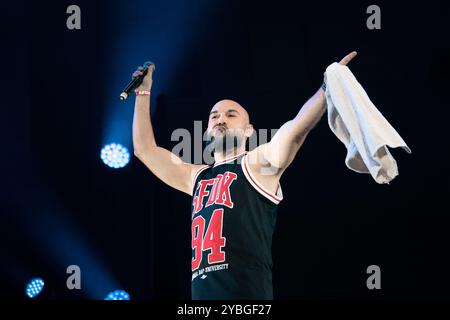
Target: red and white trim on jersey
(275, 198)
(229, 159)
(199, 170)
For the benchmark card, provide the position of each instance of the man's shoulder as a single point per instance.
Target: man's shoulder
(261, 169)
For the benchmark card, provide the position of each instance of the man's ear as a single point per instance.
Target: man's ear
(249, 130)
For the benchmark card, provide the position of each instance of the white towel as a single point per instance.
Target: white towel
(360, 126)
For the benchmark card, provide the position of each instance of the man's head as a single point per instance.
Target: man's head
(228, 126)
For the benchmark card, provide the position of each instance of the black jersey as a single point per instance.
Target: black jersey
(233, 219)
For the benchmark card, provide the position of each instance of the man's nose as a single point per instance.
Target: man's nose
(221, 119)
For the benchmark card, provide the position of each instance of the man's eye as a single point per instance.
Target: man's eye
(231, 115)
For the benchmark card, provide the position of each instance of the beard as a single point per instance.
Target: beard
(223, 142)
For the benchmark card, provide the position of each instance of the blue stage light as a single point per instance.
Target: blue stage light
(118, 295)
(115, 155)
(34, 287)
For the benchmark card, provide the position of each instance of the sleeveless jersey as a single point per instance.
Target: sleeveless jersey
(233, 219)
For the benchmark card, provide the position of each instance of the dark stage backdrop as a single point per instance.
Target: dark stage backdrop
(127, 230)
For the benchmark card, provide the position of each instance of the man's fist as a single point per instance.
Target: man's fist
(148, 81)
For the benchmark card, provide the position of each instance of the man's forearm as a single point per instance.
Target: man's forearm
(284, 145)
(313, 110)
(287, 141)
(310, 114)
(143, 137)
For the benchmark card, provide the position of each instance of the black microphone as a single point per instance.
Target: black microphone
(135, 82)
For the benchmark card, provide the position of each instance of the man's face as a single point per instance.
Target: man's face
(228, 125)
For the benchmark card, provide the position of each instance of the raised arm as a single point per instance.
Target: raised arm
(281, 150)
(163, 163)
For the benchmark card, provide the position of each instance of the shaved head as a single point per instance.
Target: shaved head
(230, 104)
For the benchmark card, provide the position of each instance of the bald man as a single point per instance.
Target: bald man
(235, 199)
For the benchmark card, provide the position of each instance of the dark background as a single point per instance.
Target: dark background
(127, 230)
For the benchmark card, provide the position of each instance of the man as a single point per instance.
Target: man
(234, 201)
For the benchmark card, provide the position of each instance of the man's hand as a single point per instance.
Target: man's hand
(348, 58)
(343, 62)
(148, 81)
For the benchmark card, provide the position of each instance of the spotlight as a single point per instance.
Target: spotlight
(115, 155)
(34, 287)
(118, 295)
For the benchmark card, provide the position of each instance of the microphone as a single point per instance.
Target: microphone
(135, 82)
